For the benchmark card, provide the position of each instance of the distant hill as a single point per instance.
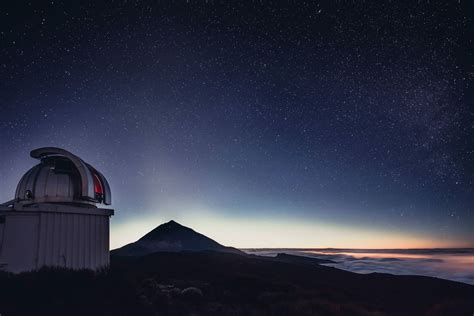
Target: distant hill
(172, 237)
(284, 257)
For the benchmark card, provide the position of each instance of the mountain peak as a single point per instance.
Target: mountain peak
(172, 222)
(172, 236)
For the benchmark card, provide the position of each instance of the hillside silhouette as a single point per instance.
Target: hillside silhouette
(171, 237)
(143, 279)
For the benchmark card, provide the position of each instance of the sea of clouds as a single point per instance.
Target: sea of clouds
(450, 264)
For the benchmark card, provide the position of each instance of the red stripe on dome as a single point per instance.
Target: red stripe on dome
(98, 185)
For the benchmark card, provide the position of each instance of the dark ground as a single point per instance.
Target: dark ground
(211, 283)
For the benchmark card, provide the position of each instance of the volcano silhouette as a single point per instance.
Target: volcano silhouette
(172, 237)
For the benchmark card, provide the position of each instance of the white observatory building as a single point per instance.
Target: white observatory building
(54, 220)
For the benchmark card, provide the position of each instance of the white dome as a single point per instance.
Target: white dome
(62, 177)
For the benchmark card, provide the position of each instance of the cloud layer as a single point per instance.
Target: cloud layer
(456, 265)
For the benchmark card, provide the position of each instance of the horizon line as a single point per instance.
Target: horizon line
(332, 248)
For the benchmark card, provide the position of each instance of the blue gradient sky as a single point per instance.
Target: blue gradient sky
(320, 125)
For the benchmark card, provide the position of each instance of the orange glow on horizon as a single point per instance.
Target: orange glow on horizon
(244, 233)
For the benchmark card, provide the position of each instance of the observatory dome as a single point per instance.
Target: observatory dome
(62, 177)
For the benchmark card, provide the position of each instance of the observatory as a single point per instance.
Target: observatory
(54, 220)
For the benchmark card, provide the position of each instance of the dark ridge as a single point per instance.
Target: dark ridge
(284, 257)
(172, 237)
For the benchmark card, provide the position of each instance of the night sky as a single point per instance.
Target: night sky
(319, 124)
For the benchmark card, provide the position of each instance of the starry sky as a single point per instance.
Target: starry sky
(306, 124)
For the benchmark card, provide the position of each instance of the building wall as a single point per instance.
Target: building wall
(2, 222)
(55, 236)
(19, 242)
(73, 241)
